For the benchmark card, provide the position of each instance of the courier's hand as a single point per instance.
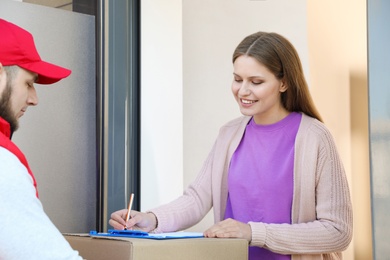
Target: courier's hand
(138, 220)
(230, 228)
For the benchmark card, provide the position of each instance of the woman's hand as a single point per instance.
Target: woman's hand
(138, 220)
(230, 228)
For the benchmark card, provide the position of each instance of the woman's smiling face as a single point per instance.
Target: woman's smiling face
(258, 91)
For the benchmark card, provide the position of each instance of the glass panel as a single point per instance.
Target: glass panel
(379, 109)
(122, 108)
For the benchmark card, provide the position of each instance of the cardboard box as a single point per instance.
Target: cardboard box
(117, 248)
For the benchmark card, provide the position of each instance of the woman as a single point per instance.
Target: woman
(273, 176)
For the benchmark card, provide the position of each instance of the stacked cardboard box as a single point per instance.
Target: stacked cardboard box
(116, 248)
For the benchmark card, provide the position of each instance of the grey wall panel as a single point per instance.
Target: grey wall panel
(59, 135)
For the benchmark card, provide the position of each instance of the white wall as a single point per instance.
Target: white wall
(186, 77)
(161, 102)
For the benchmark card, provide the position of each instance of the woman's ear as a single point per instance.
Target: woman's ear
(283, 87)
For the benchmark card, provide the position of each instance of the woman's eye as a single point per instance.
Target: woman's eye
(256, 82)
(238, 80)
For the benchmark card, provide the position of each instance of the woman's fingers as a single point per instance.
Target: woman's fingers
(117, 220)
(229, 228)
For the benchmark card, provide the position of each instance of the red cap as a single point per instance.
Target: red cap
(17, 48)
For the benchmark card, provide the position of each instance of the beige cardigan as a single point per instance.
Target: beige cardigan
(321, 212)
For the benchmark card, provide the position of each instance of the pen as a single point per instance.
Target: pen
(129, 208)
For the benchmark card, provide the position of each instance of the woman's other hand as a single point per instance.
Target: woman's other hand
(229, 228)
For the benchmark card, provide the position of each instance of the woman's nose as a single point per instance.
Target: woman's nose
(244, 89)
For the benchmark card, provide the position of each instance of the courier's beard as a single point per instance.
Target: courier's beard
(5, 108)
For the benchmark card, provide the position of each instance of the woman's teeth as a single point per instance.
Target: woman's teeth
(247, 101)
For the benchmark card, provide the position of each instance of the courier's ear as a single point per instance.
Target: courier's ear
(2, 70)
(3, 78)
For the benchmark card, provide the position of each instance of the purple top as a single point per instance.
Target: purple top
(260, 181)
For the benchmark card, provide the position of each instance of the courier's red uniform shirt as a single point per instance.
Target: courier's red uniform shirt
(5, 141)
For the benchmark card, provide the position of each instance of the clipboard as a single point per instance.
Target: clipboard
(143, 234)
